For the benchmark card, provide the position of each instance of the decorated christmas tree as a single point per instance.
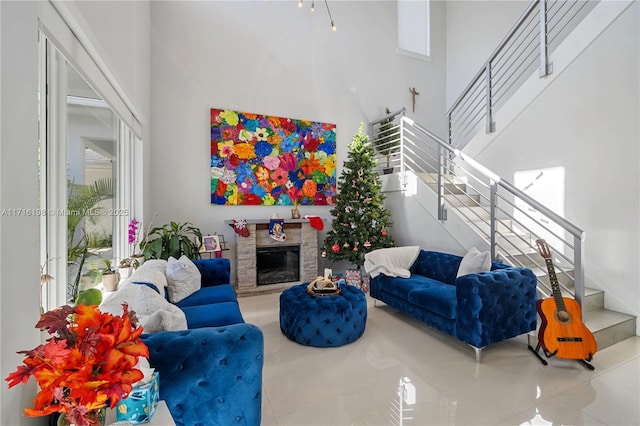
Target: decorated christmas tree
(361, 222)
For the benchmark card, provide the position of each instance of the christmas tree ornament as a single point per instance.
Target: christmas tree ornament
(367, 244)
(355, 248)
(345, 245)
(323, 254)
(384, 231)
(335, 248)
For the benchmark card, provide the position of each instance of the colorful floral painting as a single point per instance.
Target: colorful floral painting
(264, 160)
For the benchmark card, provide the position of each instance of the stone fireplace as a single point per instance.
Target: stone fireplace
(301, 237)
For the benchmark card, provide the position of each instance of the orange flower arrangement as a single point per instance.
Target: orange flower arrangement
(89, 362)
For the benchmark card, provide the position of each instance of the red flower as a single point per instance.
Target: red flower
(252, 200)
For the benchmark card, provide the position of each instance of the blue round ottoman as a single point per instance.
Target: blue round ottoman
(323, 321)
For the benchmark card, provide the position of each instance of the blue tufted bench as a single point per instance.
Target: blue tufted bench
(478, 309)
(323, 321)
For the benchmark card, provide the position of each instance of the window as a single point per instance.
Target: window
(88, 149)
(414, 28)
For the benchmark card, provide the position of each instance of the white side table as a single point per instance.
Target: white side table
(162, 417)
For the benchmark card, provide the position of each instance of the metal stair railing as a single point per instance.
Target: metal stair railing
(503, 215)
(527, 46)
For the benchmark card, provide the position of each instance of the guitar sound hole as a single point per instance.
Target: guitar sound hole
(563, 317)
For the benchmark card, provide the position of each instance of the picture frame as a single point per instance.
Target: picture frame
(210, 243)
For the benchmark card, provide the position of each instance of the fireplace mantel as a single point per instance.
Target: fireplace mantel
(298, 231)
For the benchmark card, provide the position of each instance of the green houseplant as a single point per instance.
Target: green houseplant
(108, 274)
(172, 239)
(387, 140)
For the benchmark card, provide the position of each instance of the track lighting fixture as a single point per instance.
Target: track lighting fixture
(313, 8)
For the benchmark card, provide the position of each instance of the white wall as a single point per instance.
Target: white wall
(587, 122)
(272, 58)
(19, 244)
(474, 30)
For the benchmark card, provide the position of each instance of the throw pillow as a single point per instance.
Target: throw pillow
(474, 261)
(152, 271)
(183, 278)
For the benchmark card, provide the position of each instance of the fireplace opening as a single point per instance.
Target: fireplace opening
(279, 264)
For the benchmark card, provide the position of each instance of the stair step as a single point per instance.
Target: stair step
(459, 200)
(433, 178)
(609, 327)
(504, 227)
(452, 184)
(474, 214)
(512, 241)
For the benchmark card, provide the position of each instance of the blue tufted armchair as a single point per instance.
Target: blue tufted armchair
(210, 374)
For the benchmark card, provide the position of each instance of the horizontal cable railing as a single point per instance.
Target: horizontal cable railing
(506, 217)
(527, 46)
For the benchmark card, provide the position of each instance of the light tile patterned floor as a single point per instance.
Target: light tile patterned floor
(357, 384)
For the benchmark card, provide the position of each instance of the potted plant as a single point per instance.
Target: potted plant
(109, 276)
(137, 257)
(127, 266)
(172, 240)
(387, 141)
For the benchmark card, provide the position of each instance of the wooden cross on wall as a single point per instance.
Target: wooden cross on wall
(413, 92)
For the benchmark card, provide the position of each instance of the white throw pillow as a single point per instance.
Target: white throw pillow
(152, 271)
(183, 278)
(474, 261)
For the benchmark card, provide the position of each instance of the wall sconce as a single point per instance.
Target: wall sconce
(313, 8)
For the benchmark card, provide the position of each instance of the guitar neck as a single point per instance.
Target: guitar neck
(555, 286)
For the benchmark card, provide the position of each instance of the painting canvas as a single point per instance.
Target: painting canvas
(266, 160)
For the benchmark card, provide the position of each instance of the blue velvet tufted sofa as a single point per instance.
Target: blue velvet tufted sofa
(210, 374)
(478, 309)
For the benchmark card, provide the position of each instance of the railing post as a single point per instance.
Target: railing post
(450, 138)
(442, 215)
(546, 67)
(491, 126)
(493, 200)
(578, 267)
(403, 177)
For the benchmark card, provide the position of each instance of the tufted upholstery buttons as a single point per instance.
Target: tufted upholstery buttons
(327, 321)
(210, 376)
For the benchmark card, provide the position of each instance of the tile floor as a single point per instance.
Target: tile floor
(358, 384)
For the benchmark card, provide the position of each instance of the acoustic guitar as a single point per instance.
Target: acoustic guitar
(562, 332)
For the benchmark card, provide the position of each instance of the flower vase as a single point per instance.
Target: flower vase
(94, 418)
(295, 213)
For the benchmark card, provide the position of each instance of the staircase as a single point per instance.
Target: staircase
(458, 189)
